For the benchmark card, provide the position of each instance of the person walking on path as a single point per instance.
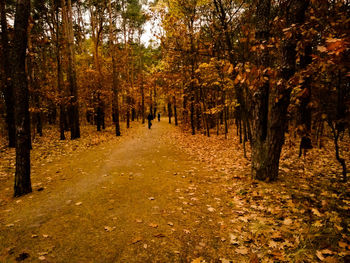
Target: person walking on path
(149, 118)
(158, 116)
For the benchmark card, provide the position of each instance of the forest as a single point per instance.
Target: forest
(174, 131)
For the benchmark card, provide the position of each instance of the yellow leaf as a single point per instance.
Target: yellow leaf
(287, 221)
(153, 225)
(316, 212)
(198, 260)
(319, 255)
(242, 250)
(322, 48)
(327, 251)
(318, 223)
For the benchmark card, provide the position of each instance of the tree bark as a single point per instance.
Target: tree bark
(73, 107)
(170, 113)
(8, 85)
(270, 107)
(22, 176)
(114, 72)
(175, 111)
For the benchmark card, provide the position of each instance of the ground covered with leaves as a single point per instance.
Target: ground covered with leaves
(161, 195)
(303, 217)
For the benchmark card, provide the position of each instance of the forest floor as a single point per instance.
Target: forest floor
(161, 195)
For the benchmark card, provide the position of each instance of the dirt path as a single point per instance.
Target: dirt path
(116, 203)
(161, 195)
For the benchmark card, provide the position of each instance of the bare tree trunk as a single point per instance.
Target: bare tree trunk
(169, 112)
(62, 92)
(142, 103)
(114, 72)
(142, 91)
(192, 115)
(175, 110)
(22, 176)
(8, 85)
(73, 106)
(305, 109)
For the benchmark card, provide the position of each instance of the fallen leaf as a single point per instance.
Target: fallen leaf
(287, 221)
(211, 209)
(79, 203)
(153, 225)
(198, 260)
(319, 255)
(170, 223)
(233, 239)
(273, 244)
(318, 223)
(108, 228)
(159, 235)
(136, 240)
(151, 198)
(139, 220)
(242, 250)
(42, 258)
(321, 48)
(342, 244)
(327, 252)
(316, 212)
(187, 231)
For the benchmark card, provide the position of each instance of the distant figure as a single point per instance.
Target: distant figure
(158, 116)
(149, 118)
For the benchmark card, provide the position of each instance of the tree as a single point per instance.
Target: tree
(269, 112)
(114, 71)
(19, 77)
(73, 106)
(8, 84)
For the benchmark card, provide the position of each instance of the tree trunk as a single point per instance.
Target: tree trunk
(169, 112)
(73, 106)
(33, 84)
(155, 101)
(98, 113)
(128, 113)
(142, 103)
(22, 176)
(8, 85)
(270, 107)
(62, 117)
(114, 72)
(305, 109)
(192, 116)
(175, 111)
